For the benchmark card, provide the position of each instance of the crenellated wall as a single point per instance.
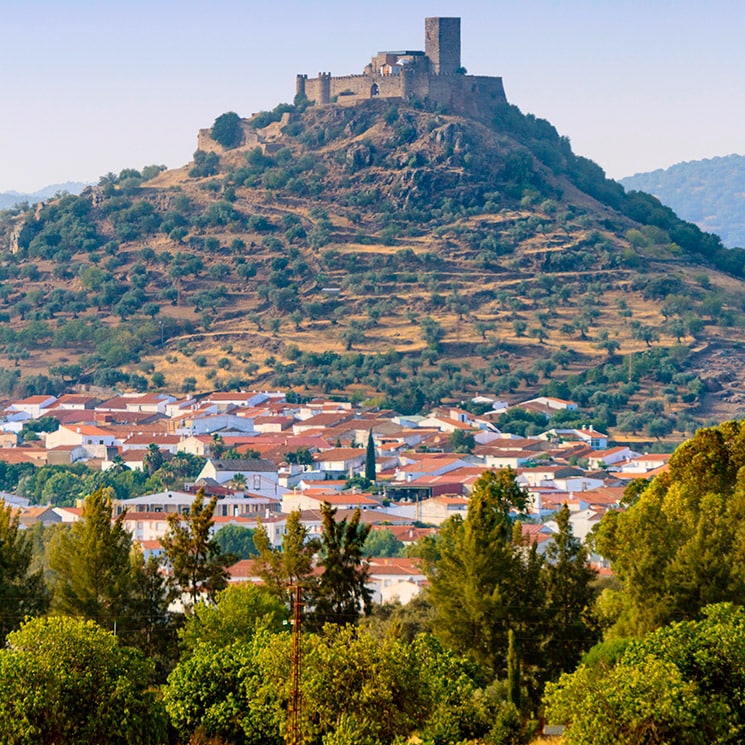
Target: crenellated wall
(433, 76)
(475, 95)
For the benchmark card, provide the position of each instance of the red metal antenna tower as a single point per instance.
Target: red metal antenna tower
(294, 703)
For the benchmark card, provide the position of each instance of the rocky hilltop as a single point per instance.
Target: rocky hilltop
(404, 254)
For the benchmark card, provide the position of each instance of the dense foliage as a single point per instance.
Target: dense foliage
(68, 680)
(682, 683)
(487, 583)
(227, 130)
(355, 689)
(22, 590)
(675, 549)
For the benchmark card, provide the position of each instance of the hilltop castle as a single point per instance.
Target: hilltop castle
(434, 75)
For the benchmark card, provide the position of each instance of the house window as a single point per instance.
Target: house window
(257, 481)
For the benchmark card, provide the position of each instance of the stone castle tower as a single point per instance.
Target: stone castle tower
(442, 44)
(434, 75)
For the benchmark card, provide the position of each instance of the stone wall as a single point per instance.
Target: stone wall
(208, 145)
(475, 95)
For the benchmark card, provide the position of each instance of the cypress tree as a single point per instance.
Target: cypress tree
(513, 670)
(370, 473)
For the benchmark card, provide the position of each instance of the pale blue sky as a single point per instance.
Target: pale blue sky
(96, 86)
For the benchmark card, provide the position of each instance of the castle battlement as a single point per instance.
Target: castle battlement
(434, 75)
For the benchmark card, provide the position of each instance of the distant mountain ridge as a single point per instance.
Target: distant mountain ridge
(709, 193)
(10, 198)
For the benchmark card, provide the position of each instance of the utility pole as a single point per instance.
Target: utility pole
(294, 702)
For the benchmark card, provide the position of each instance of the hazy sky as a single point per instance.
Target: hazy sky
(97, 86)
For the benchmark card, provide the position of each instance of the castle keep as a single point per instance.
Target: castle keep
(434, 75)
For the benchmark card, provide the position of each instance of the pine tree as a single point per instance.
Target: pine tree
(292, 564)
(198, 566)
(93, 575)
(570, 595)
(154, 630)
(22, 592)
(475, 583)
(342, 592)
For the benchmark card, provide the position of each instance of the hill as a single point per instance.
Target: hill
(11, 198)
(709, 193)
(384, 251)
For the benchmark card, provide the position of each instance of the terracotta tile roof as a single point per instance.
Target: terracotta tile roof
(394, 566)
(33, 400)
(339, 454)
(407, 533)
(18, 455)
(150, 545)
(154, 438)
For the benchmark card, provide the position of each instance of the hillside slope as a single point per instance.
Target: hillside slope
(381, 250)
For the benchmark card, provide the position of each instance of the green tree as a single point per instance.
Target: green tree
(679, 684)
(461, 441)
(382, 543)
(92, 565)
(198, 566)
(217, 445)
(62, 488)
(301, 456)
(237, 541)
(227, 130)
(674, 550)
(153, 459)
(153, 627)
(432, 332)
(22, 591)
(650, 703)
(569, 596)
(205, 164)
(238, 480)
(241, 612)
(342, 592)
(474, 586)
(292, 564)
(370, 470)
(65, 680)
(232, 693)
